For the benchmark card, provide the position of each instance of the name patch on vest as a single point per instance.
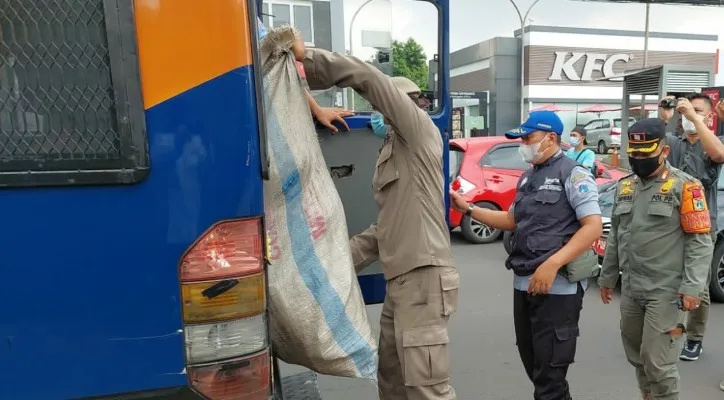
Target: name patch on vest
(625, 197)
(662, 198)
(556, 188)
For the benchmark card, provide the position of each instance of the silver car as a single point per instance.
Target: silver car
(601, 134)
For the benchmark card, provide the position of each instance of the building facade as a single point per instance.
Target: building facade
(321, 23)
(565, 68)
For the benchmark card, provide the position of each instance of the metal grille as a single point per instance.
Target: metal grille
(646, 82)
(56, 96)
(686, 81)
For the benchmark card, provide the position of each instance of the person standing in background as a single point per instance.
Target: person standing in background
(578, 151)
(660, 242)
(699, 153)
(555, 219)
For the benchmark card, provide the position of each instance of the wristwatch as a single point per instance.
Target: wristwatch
(470, 209)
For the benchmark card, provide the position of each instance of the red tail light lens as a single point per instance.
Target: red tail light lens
(230, 248)
(242, 379)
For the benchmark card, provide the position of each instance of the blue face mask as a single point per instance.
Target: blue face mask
(575, 142)
(378, 125)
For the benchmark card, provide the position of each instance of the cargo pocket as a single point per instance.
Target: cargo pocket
(564, 346)
(426, 355)
(450, 284)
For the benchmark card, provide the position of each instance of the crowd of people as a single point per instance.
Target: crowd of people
(660, 245)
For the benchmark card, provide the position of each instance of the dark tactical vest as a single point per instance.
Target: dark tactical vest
(544, 218)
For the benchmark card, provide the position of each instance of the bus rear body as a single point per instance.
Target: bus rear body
(133, 168)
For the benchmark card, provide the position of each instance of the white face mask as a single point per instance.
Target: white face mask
(689, 126)
(530, 152)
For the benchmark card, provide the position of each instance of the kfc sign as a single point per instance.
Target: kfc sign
(565, 64)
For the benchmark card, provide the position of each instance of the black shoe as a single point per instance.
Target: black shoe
(691, 351)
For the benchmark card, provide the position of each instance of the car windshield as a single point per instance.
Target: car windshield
(456, 160)
(605, 198)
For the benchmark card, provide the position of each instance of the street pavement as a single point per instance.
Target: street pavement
(485, 361)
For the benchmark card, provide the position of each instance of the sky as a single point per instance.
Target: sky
(474, 21)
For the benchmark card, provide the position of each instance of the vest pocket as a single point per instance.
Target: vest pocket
(548, 196)
(541, 243)
(623, 208)
(660, 209)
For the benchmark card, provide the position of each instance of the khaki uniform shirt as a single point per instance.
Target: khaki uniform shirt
(659, 236)
(408, 184)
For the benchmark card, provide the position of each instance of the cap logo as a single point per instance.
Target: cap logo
(517, 130)
(638, 136)
(546, 126)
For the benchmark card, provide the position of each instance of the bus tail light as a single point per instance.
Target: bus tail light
(225, 340)
(229, 248)
(223, 300)
(223, 296)
(241, 379)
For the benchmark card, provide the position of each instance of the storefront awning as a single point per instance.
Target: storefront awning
(599, 108)
(648, 107)
(551, 107)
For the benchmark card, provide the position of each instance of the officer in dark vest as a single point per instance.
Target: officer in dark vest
(556, 218)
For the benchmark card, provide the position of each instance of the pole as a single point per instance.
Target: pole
(646, 56)
(351, 40)
(523, 18)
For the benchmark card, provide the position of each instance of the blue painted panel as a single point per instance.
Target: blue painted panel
(91, 294)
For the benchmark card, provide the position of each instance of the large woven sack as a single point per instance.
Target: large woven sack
(317, 314)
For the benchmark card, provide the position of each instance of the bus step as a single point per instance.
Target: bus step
(302, 386)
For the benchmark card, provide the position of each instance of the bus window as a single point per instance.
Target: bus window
(401, 38)
(71, 111)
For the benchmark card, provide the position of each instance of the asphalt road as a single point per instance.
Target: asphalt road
(485, 360)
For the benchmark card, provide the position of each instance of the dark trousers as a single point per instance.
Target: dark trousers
(546, 332)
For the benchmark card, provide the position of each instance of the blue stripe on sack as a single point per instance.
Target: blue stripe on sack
(313, 273)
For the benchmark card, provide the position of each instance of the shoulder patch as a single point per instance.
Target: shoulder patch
(694, 210)
(578, 178)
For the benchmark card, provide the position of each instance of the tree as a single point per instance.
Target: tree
(409, 60)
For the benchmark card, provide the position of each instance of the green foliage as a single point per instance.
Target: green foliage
(409, 60)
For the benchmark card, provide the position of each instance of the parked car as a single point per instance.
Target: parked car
(485, 171)
(606, 198)
(601, 134)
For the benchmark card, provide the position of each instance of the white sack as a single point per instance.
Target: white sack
(317, 314)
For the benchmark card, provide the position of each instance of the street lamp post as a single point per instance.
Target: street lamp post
(646, 56)
(351, 39)
(523, 18)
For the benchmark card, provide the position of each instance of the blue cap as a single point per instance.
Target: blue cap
(538, 121)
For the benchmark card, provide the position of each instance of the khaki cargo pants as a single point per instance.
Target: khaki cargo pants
(652, 344)
(414, 343)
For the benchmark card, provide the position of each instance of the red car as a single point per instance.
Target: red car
(485, 170)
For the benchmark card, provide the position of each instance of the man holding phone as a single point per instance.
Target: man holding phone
(699, 153)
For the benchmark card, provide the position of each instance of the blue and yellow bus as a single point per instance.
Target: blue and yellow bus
(132, 166)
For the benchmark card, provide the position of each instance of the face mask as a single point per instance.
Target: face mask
(531, 152)
(575, 142)
(644, 167)
(688, 126)
(378, 125)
